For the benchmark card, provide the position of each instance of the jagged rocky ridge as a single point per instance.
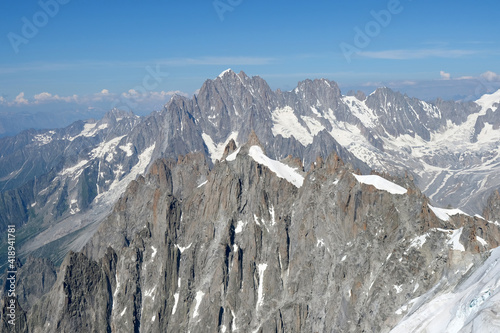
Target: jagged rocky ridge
(62, 183)
(248, 247)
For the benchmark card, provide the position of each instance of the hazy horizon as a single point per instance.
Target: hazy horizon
(60, 57)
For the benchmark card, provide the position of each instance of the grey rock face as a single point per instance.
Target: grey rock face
(492, 209)
(248, 251)
(82, 301)
(34, 279)
(386, 131)
(62, 182)
(73, 177)
(236, 104)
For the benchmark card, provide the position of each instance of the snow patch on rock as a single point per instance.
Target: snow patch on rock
(260, 290)
(381, 183)
(216, 150)
(119, 185)
(127, 149)
(206, 181)
(74, 170)
(225, 72)
(286, 123)
(199, 298)
(455, 240)
(444, 214)
(281, 170)
(239, 227)
(182, 249)
(106, 149)
(232, 156)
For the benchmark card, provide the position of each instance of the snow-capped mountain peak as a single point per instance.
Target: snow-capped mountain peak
(489, 101)
(227, 71)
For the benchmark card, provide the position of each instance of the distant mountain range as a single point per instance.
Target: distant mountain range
(232, 188)
(12, 123)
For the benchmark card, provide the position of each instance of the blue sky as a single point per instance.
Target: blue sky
(101, 52)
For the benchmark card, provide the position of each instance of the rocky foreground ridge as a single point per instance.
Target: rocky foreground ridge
(257, 245)
(57, 185)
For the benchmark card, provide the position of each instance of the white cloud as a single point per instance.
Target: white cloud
(154, 95)
(47, 97)
(73, 98)
(141, 99)
(43, 96)
(406, 83)
(20, 100)
(132, 93)
(103, 95)
(164, 94)
(373, 84)
(444, 75)
(490, 76)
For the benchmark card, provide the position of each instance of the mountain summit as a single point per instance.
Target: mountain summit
(272, 233)
(447, 147)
